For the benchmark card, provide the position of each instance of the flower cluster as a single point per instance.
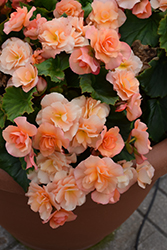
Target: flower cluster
(74, 94)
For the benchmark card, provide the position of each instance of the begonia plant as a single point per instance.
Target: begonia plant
(83, 99)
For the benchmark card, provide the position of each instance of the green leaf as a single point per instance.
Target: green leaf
(144, 30)
(99, 87)
(2, 115)
(155, 117)
(54, 67)
(124, 155)
(153, 79)
(87, 9)
(12, 166)
(16, 102)
(49, 4)
(162, 31)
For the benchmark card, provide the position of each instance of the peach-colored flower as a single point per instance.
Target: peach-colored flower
(65, 191)
(106, 14)
(133, 64)
(78, 31)
(55, 37)
(142, 143)
(111, 142)
(59, 217)
(161, 4)
(18, 19)
(37, 57)
(133, 107)
(39, 200)
(26, 76)
(124, 82)
(18, 142)
(69, 7)
(41, 84)
(145, 173)
(95, 107)
(99, 174)
(15, 53)
(32, 29)
(81, 62)
(127, 4)
(142, 9)
(16, 3)
(58, 111)
(49, 139)
(50, 165)
(29, 159)
(129, 177)
(87, 135)
(107, 46)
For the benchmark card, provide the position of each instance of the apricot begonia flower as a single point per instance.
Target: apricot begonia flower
(87, 135)
(37, 57)
(18, 19)
(58, 111)
(106, 14)
(65, 191)
(142, 143)
(39, 200)
(32, 29)
(161, 4)
(26, 76)
(50, 165)
(49, 139)
(127, 4)
(81, 62)
(142, 9)
(133, 107)
(111, 142)
(133, 64)
(124, 82)
(55, 37)
(59, 217)
(29, 159)
(15, 53)
(145, 173)
(95, 107)
(18, 142)
(98, 174)
(107, 46)
(69, 7)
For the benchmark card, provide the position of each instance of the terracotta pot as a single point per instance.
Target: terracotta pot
(93, 223)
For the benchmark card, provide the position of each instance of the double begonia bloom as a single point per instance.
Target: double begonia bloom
(18, 19)
(69, 7)
(40, 201)
(49, 139)
(107, 46)
(87, 135)
(18, 142)
(127, 4)
(100, 175)
(26, 76)
(106, 14)
(142, 143)
(133, 64)
(111, 142)
(142, 9)
(15, 53)
(81, 62)
(95, 107)
(133, 107)
(50, 165)
(32, 29)
(58, 111)
(124, 82)
(161, 4)
(65, 191)
(59, 217)
(55, 37)
(37, 57)
(145, 173)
